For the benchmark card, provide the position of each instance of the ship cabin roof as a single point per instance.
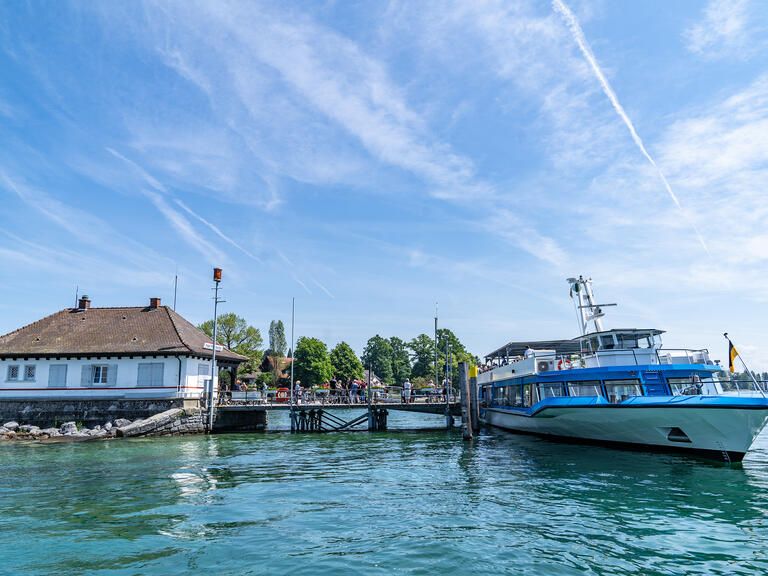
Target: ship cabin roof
(615, 339)
(512, 349)
(619, 339)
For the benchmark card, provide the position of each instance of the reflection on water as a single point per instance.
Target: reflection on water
(421, 502)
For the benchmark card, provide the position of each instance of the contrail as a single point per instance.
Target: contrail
(216, 230)
(578, 35)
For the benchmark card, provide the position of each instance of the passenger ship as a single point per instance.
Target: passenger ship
(618, 387)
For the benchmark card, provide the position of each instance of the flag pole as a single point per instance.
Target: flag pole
(746, 368)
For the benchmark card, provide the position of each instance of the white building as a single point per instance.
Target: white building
(125, 352)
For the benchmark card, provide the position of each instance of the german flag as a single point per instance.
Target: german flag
(732, 353)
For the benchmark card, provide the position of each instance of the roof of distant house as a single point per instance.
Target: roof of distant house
(119, 331)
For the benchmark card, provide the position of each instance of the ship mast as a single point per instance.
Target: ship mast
(586, 307)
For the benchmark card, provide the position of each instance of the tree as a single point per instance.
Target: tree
(377, 357)
(423, 357)
(235, 333)
(401, 362)
(346, 364)
(311, 362)
(275, 354)
(277, 343)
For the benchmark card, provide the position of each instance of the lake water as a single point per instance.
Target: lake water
(386, 503)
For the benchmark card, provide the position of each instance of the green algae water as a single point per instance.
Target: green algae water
(386, 503)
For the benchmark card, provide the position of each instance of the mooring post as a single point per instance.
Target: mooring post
(466, 411)
(474, 400)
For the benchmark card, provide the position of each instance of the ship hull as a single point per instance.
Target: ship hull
(720, 433)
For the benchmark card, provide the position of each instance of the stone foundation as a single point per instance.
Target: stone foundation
(47, 413)
(173, 422)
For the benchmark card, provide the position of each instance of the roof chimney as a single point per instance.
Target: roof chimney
(154, 302)
(84, 303)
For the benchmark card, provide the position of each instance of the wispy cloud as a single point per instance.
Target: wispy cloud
(326, 72)
(724, 30)
(589, 56)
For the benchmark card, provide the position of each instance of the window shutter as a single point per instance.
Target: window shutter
(86, 378)
(112, 375)
(157, 373)
(57, 375)
(145, 375)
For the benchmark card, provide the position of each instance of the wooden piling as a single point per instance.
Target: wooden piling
(465, 399)
(474, 400)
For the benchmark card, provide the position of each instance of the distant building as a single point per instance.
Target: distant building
(121, 352)
(376, 382)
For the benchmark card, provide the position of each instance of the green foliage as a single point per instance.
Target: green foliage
(377, 356)
(312, 363)
(235, 333)
(423, 357)
(277, 342)
(401, 362)
(346, 364)
(456, 351)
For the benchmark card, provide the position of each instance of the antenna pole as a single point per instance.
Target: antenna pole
(175, 286)
(437, 373)
(293, 343)
(77, 294)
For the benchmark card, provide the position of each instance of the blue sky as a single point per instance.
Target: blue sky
(371, 158)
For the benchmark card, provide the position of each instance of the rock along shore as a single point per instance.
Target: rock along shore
(173, 422)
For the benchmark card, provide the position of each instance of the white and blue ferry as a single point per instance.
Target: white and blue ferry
(619, 387)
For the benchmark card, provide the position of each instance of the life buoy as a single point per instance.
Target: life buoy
(564, 363)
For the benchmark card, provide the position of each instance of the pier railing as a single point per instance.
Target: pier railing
(388, 395)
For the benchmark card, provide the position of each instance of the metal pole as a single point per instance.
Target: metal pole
(437, 373)
(175, 286)
(293, 361)
(293, 343)
(752, 376)
(214, 369)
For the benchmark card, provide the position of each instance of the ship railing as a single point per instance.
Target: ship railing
(682, 356)
(632, 356)
(747, 388)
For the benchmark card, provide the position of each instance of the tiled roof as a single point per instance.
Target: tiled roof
(110, 331)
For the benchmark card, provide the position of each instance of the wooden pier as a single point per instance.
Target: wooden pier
(324, 416)
(319, 417)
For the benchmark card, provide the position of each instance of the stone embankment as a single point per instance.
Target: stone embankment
(175, 421)
(172, 422)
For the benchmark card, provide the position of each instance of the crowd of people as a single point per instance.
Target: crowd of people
(336, 392)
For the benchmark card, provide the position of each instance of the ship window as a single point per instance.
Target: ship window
(526, 395)
(498, 396)
(619, 390)
(550, 390)
(607, 343)
(586, 388)
(593, 344)
(514, 396)
(627, 341)
(685, 386)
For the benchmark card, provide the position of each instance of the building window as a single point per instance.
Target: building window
(57, 375)
(150, 374)
(100, 374)
(29, 373)
(13, 372)
(203, 369)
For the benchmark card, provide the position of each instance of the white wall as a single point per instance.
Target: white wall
(125, 383)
